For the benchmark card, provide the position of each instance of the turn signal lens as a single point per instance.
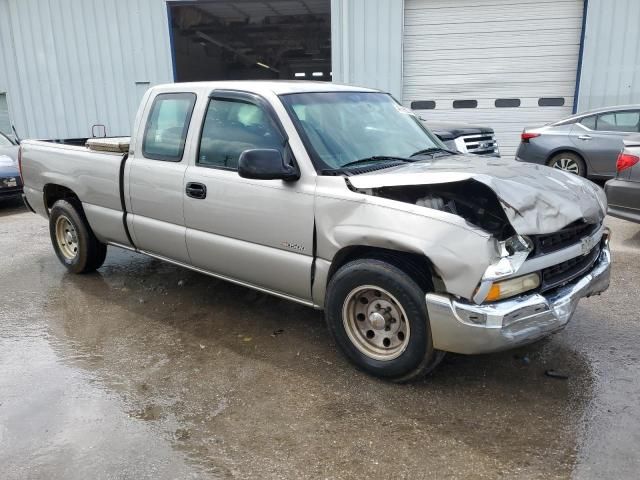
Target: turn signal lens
(513, 286)
(626, 161)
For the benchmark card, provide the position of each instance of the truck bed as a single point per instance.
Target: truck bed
(96, 178)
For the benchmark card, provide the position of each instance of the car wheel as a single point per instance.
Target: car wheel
(378, 317)
(569, 162)
(75, 245)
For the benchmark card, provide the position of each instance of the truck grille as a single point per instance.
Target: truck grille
(562, 273)
(481, 144)
(566, 237)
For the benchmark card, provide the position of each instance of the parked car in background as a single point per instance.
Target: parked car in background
(334, 197)
(8, 146)
(10, 182)
(623, 192)
(465, 138)
(587, 144)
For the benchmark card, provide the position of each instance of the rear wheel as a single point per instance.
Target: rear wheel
(76, 246)
(569, 162)
(378, 317)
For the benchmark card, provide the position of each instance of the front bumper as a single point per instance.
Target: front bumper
(462, 327)
(10, 187)
(10, 192)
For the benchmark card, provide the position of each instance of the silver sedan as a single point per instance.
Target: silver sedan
(587, 144)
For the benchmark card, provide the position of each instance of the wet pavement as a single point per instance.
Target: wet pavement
(147, 370)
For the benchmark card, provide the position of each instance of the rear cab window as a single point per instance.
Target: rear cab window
(167, 126)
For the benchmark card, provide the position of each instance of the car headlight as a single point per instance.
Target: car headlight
(512, 287)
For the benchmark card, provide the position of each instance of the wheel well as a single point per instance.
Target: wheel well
(568, 150)
(53, 193)
(415, 265)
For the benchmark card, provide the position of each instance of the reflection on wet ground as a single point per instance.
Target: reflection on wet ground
(146, 370)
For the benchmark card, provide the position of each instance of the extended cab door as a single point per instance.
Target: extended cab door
(156, 177)
(259, 232)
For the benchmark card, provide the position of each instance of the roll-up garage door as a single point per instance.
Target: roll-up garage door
(505, 64)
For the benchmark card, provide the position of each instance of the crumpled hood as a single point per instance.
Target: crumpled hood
(535, 198)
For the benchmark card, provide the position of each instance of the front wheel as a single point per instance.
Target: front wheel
(378, 317)
(76, 246)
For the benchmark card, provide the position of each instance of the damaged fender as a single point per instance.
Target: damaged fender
(459, 252)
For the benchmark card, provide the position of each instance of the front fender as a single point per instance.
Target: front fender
(459, 252)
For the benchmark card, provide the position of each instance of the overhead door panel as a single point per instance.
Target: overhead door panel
(487, 50)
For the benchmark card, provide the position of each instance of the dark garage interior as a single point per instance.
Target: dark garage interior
(240, 40)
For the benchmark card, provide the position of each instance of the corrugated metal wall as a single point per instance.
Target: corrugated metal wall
(611, 59)
(485, 51)
(366, 43)
(67, 65)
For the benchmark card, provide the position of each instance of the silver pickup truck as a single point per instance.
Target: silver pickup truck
(338, 198)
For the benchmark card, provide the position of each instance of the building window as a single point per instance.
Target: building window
(423, 105)
(465, 103)
(551, 102)
(234, 40)
(507, 102)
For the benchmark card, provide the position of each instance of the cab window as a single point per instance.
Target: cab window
(167, 126)
(589, 122)
(232, 126)
(627, 121)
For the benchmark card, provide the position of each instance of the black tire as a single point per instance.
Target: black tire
(90, 253)
(569, 159)
(418, 357)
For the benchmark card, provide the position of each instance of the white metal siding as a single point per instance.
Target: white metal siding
(366, 43)
(611, 60)
(69, 64)
(489, 49)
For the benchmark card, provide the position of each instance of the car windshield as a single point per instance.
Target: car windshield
(348, 128)
(4, 141)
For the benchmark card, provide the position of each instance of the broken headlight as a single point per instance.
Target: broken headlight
(512, 252)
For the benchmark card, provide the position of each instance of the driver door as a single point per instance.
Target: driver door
(257, 232)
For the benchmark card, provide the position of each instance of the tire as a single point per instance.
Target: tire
(76, 246)
(568, 162)
(395, 344)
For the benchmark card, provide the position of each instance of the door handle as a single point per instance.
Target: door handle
(196, 190)
(585, 137)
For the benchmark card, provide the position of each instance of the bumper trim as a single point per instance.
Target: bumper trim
(462, 327)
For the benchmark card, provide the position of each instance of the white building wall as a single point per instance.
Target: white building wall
(366, 43)
(611, 56)
(485, 51)
(69, 64)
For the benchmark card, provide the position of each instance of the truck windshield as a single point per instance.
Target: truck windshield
(346, 129)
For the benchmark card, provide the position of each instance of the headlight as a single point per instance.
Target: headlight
(512, 287)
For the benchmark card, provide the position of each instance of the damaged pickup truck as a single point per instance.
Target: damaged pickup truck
(338, 198)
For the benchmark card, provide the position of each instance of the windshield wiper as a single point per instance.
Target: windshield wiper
(376, 158)
(430, 151)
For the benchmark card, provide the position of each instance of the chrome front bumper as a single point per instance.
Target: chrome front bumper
(462, 327)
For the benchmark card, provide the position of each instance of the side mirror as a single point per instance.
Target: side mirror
(266, 164)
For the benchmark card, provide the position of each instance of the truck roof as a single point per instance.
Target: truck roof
(278, 87)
